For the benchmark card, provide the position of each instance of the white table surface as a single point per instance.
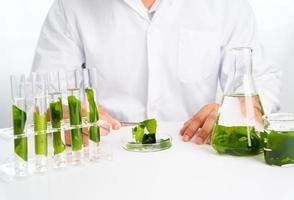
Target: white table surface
(186, 171)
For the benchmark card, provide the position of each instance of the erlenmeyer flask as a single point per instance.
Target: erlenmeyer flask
(239, 123)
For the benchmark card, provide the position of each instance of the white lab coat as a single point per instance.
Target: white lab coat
(166, 67)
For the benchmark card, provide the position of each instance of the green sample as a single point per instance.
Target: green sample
(279, 148)
(75, 118)
(234, 140)
(94, 131)
(56, 119)
(19, 122)
(147, 142)
(149, 138)
(139, 134)
(40, 128)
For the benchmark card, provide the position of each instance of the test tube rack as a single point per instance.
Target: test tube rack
(8, 168)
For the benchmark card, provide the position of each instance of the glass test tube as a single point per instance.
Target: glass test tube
(90, 84)
(74, 86)
(40, 121)
(19, 118)
(56, 114)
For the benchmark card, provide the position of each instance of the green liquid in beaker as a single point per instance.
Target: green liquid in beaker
(234, 140)
(279, 148)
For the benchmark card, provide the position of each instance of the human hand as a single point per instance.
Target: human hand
(201, 123)
(103, 115)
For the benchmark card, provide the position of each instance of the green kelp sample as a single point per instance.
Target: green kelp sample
(234, 140)
(139, 134)
(94, 131)
(145, 138)
(19, 123)
(40, 128)
(56, 119)
(75, 118)
(279, 148)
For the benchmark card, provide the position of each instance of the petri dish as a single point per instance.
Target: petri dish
(163, 142)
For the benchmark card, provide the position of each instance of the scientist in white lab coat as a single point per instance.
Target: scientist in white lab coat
(155, 58)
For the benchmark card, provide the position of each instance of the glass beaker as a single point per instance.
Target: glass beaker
(19, 119)
(90, 85)
(54, 88)
(279, 139)
(40, 121)
(239, 122)
(74, 96)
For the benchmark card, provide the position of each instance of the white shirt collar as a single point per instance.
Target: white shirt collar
(155, 6)
(153, 9)
(139, 7)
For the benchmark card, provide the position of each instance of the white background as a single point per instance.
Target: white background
(20, 23)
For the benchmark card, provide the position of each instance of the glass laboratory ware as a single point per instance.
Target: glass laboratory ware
(40, 121)
(239, 123)
(54, 88)
(90, 85)
(19, 119)
(279, 139)
(74, 96)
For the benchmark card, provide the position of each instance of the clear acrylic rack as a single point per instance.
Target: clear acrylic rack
(92, 153)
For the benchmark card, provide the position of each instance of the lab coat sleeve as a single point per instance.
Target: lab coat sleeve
(241, 31)
(59, 46)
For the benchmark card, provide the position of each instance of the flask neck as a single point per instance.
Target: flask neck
(242, 62)
(241, 81)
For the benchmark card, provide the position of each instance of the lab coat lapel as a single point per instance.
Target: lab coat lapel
(136, 6)
(166, 13)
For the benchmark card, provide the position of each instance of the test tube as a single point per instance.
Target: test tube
(56, 114)
(90, 85)
(74, 96)
(19, 118)
(40, 121)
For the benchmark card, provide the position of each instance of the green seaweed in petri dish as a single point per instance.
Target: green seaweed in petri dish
(56, 118)
(234, 140)
(94, 131)
(149, 138)
(146, 141)
(40, 128)
(75, 118)
(279, 148)
(139, 134)
(21, 143)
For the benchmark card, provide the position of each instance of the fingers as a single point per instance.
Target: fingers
(208, 141)
(115, 124)
(48, 115)
(85, 136)
(84, 112)
(67, 137)
(107, 117)
(191, 130)
(206, 129)
(191, 126)
(186, 124)
(65, 112)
